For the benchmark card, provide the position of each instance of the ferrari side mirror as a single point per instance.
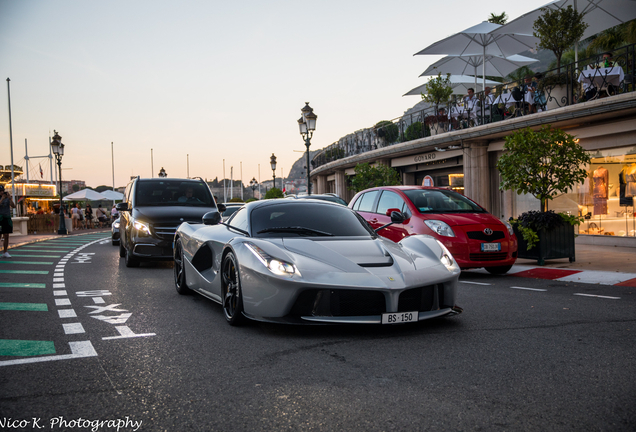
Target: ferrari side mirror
(212, 218)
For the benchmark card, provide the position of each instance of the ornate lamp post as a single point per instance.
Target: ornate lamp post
(272, 162)
(253, 185)
(58, 150)
(307, 125)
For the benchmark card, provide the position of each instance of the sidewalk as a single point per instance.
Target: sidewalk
(604, 265)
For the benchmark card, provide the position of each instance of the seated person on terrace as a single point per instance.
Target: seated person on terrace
(530, 87)
(470, 100)
(606, 61)
(605, 89)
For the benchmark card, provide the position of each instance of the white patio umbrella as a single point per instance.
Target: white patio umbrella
(459, 83)
(113, 195)
(462, 65)
(85, 195)
(481, 40)
(598, 14)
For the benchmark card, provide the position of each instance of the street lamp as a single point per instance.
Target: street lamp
(272, 162)
(307, 125)
(58, 150)
(253, 185)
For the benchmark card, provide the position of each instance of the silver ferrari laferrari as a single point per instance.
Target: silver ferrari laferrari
(313, 262)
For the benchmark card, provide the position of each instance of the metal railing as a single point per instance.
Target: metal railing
(556, 88)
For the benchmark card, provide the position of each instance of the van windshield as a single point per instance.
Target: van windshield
(173, 193)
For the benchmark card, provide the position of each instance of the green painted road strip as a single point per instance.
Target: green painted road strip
(43, 272)
(22, 285)
(27, 262)
(24, 348)
(39, 249)
(34, 307)
(35, 256)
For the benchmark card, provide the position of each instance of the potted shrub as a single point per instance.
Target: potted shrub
(438, 91)
(545, 164)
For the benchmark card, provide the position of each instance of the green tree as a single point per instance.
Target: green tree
(498, 19)
(76, 187)
(368, 176)
(274, 193)
(387, 130)
(543, 163)
(438, 90)
(558, 30)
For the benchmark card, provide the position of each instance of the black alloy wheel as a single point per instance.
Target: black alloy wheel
(231, 290)
(498, 270)
(179, 271)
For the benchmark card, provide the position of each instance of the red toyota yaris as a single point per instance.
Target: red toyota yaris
(474, 237)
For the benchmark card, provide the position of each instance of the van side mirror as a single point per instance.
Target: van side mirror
(221, 207)
(122, 206)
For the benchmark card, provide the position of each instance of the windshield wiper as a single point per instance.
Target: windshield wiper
(294, 229)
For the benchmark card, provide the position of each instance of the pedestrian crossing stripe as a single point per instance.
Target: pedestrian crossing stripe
(21, 285)
(35, 307)
(24, 348)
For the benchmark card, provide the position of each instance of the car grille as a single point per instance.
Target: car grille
(165, 231)
(316, 302)
(421, 299)
(480, 235)
(488, 256)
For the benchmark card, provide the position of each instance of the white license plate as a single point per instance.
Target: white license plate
(399, 317)
(490, 247)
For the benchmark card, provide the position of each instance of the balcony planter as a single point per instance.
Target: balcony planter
(557, 242)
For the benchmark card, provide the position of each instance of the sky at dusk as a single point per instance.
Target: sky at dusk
(215, 80)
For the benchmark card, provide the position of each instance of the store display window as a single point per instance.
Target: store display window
(606, 198)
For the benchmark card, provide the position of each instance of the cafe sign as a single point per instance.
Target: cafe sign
(35, 190)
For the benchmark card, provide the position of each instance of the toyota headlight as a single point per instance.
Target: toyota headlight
(142, 227)
(441, 228)
(276, 266)
(509, 226)
(447, 258)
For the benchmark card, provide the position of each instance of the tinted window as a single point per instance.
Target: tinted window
(173, 192)
(325, 218)
(366, 201)
(325, 198)
(441, 201)
(239, 219)
(230, 210)
(390, 200)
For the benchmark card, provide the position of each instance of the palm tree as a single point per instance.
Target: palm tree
(498, 19)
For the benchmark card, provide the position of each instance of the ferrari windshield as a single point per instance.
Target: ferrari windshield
(305, 219)
(441, 201)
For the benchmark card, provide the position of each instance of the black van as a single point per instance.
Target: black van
(151, 212)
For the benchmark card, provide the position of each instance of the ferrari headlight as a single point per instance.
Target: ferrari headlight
(507, 224)
(142, 227)
(276, 266)
(446, 257)
(441, 228)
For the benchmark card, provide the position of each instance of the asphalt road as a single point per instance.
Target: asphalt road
(93, 341)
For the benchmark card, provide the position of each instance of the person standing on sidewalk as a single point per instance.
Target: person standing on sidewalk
(6, 224)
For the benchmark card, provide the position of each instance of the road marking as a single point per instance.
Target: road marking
(59, 285)
(21, 285)
(23, 348)
(35, 307)
(529, 289)
(27, 262)
(59, 293)
(126, 333)
(66, 313)
(79, 349)
(34, 256)
(25, 271)
(475, 283)
(73, 328)
(598, 296)
(62, 302)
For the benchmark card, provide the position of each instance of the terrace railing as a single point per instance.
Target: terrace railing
(590, 79)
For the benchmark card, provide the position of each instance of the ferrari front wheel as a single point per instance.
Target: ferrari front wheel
(179, 270)
(231, 290)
